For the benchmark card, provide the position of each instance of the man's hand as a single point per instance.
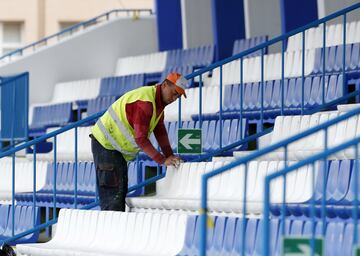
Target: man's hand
(173, 160)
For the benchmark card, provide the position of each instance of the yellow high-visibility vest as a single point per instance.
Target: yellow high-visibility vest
(113, 130)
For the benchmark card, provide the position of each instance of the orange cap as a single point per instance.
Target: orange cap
(179, 81)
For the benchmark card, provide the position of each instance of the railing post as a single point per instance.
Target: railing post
(323, 199)
(312, 207)
(344, 51)
(34, 184)
(323, 63)
(200, 101)
(220, 114)
(266, 233)
(302, 72)
(262, 91)
(241, 96)
(243, 231)
(283, 206)
(355, 202)
(282, 75)
(76, 167)
(54, 178)
(203, 216)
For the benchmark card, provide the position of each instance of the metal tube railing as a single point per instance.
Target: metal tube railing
(311, 160)
(273, 41)
(246, 159)
(72, 28)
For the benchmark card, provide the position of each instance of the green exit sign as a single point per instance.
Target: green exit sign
(301, 246)
(189, 141)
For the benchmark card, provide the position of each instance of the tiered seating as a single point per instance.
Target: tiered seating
(225, 238)
(65, 184)
(272, 96)
(286, 126)
(23, 177)
(112, 233)
(334, 36)
(97, 233)
(65, 148)
(225, 192)
(241, 45)
(142, 64)
(210, 132)
(58, 111)
(110, 89)
(24, 220)
(194, 57)
(50, 116)
(117, 86)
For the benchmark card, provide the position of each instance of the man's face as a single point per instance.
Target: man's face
(168, 92)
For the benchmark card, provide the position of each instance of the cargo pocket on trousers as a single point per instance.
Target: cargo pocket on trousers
(107, 175)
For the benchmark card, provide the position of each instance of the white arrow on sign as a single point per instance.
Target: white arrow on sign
(305, 250)
(186, 141)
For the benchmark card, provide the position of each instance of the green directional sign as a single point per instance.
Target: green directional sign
(189, 141)
(357, 251)
(301, 246)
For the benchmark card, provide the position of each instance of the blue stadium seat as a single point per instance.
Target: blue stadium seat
(355, 57)
(119, 85)
(65, 185)
(99, 104)
(23, 222)
(194, 57)
(229, 235)
(189, 235)
(50, 116)
(334, 238)
(4, 215)
(241, 45)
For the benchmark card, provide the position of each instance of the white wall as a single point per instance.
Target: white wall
(326, 7)
(262, 18)
(196, 23)
(90, 54)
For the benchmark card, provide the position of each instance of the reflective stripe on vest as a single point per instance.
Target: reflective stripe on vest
(111, 139)
(113, 130)
(122, 128)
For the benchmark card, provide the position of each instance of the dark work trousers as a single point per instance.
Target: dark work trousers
(111, 177)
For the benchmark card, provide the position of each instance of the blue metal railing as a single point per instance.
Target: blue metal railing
(198, 73)
(280, 39)
(70, 30)
(262, 152)
(311, 161)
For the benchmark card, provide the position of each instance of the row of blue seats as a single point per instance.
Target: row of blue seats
(24, 218)
(119, 85)
(241, 45)
(51, 116)
(197, 57)
(65, 184)
(340, 186)
(334, 58)
(61, 114)
(211, 132)
(272, 91)
(225, 238)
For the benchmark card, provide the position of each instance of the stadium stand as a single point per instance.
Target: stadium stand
(318, 198)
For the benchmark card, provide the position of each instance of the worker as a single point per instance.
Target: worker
(125, 129)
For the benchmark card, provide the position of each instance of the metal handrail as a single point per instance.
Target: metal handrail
(246, 159)
(272, 41)
(76, 26)
(288, 169)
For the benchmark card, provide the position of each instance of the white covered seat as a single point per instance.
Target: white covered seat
(85, 232)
